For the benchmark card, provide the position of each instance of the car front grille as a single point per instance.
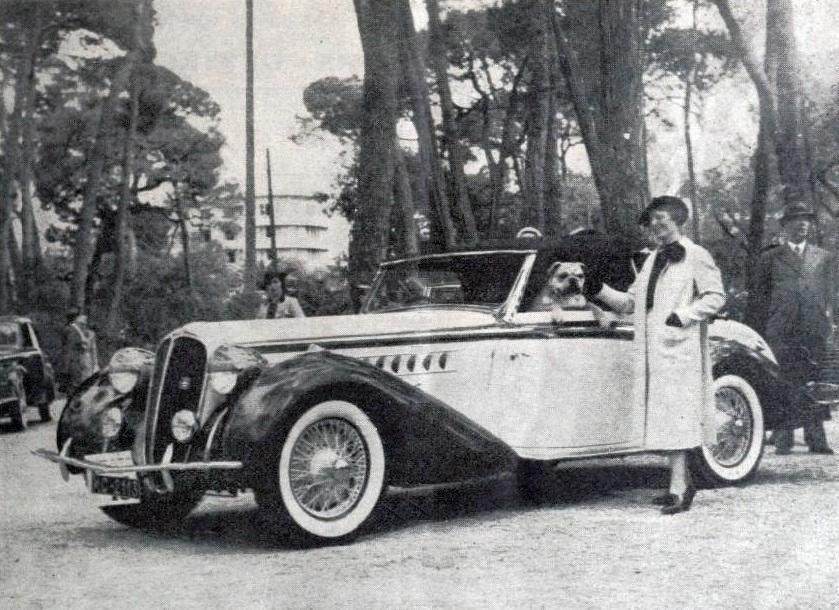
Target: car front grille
(177, 384)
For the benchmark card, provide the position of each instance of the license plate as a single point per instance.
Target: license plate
(116, 487)
(123, 485)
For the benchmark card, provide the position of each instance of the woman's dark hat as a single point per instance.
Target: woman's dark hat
(270, 276)
(797, 209)
(677, 208)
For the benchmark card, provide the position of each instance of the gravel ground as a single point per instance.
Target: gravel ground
(596, 543)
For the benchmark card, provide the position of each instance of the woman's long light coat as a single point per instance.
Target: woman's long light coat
(672, 365)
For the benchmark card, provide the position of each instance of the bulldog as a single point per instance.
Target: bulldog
(564, 292)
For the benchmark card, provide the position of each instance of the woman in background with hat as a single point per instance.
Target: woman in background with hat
(279, 303)
(676, 292)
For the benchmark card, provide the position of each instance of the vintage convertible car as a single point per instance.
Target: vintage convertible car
(453, 370)
(26, 377)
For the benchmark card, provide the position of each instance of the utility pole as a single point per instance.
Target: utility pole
(272, 230)
(250, 195)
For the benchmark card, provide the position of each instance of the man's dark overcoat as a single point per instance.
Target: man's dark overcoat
(797, 293)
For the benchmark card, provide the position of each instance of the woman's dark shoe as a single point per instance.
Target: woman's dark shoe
(682, 504)
(665, 500)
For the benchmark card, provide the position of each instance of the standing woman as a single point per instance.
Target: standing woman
(676, 292)
(80, 354)
(279, 303)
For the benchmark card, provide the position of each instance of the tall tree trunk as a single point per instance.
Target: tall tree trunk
(456, 163)
(250, 194)
(432, 182)
(553, 187)
(608, 101)
(123, 214)
(687, 106)
(686, 113)
(539, 107)
(370, 228)
(122, 231)
(11, 155)
(506, 147)
(790, 143)
(30, 245)
(84, 245)
(409, 242)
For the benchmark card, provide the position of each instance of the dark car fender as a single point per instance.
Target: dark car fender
(80, 418)
(425, 440)
(729, 356)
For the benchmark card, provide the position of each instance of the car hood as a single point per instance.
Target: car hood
(255, 332)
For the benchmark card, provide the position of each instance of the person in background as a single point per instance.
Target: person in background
(678, 289)
(796, 284)
(80, 356)
(279, 303)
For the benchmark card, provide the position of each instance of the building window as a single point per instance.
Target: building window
(205, 235)
(231, 256)
(229, 234)
(263, 209)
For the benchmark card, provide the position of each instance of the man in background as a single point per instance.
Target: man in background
(797, 285)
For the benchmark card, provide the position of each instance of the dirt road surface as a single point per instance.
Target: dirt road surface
(596, 543)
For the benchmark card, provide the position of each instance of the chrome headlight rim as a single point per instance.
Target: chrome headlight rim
(123, 381)
(223, 382)
(227, 364)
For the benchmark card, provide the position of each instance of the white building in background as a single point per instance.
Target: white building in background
(303, 233)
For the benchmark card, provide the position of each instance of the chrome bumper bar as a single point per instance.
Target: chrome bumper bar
(165, 466)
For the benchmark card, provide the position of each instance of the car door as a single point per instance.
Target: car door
(568, 387)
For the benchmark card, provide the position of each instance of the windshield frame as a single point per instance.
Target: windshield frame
(502, 311)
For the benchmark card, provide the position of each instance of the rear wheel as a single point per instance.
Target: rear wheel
(19, 414)
(328, 474)
(738, 420)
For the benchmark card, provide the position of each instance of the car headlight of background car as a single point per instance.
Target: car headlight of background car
(125, 367)
(228, 363)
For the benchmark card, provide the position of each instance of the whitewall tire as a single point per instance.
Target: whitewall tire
(331, 471)
(738, 420)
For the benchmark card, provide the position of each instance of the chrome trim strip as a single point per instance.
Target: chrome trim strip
(152, 404)
(460, 253)
(57, 458)
(511, 306)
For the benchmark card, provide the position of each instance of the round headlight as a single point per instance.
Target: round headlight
(184, 425)
(110, 423)
(223, 382)
(123, 381)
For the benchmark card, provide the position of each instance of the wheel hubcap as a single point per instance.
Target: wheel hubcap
(734, 427)
(328, 468)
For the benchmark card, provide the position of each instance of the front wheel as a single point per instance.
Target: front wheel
(328, 475)
(738, 420)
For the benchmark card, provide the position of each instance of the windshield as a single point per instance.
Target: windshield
(8, 335)
(482, 280)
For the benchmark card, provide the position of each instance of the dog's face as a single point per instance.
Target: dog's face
(566, 279)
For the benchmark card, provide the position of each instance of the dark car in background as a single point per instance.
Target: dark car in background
(26, 376)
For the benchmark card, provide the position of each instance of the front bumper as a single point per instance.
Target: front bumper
(165, 467)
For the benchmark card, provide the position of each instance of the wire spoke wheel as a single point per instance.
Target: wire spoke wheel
(328, 468)
(734, 448)
(735, 426)
(330, 473)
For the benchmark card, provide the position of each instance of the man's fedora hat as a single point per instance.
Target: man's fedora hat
(677, 208)
(797, 209)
